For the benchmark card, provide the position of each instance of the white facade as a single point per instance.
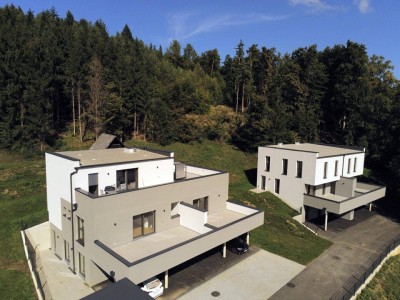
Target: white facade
(322, 167)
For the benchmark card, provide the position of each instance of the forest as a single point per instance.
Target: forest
(61, 75)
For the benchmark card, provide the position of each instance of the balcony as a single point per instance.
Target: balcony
(154, 254)
(363, 194)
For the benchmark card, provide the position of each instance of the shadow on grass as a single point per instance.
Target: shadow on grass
(251, 175)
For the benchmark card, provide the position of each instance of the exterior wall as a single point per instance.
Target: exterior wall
(291, 188)
(320, 168)
(58, 172)
(193, 218)
(359, 168)
(345, 187)
(150, 173)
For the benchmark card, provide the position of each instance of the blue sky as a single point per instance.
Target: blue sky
(283, 24)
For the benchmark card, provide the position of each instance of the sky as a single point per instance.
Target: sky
(283, 24)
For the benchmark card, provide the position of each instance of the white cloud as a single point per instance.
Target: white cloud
(183, 25)
(364, 6)
(314, 6)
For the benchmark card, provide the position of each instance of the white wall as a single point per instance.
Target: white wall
(200, 171)
(359, 167)
(58, 172)
(150, 173)
(320, 166)
(193, 219)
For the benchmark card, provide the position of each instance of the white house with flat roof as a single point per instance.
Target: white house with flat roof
(134, 213)
(315, 179)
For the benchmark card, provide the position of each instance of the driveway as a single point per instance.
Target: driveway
(257, 274)
(353, 244)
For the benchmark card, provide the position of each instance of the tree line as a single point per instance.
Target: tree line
(61, 74)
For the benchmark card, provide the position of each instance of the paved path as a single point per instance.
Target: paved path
(353, 244)
(258, 276)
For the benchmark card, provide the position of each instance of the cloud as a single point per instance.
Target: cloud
(183, 25)
(314, 6)
(364, 6)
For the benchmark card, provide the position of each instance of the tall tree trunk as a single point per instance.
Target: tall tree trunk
(73, 108)
(134, 125)
(243, 98)
(78, 94)
(237, 98)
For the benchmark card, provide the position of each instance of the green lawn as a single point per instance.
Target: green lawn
(386, 284)
(23, 204)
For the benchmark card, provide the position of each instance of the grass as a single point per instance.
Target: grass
(23, 204)
(386, 284)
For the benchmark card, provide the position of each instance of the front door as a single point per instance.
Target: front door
(263, 182)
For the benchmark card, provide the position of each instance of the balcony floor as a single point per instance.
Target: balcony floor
(333, 197)
(223, 218)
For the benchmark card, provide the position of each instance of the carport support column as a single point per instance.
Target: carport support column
(166, 279)
(370, 207)
(224, 250)
(248, 238)
(326, 220)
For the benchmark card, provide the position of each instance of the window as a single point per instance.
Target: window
(93, 183)
(66, 250)
(323, 189)
(127, 179)
(263, 182)
(310, 189)
(325, 170)
(201, 203)
(143, 224)
(336, 167)
(267, 163)
(284, 166)
(82, 265)
(174, 209)
(277, 185)
(81, 231)
(348, 165)
(54, 240)
(355, 165)
(299, 169)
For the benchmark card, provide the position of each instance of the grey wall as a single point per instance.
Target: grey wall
(345, 187)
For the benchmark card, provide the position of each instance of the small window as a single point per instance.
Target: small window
(299, 169)
(81, 231)
(82, 270)
(66, 250)
(284, 166)
(325, 170)
(323, 189)
(267, 163)
(336, 167)
(93, 183)
(348, 165)
(174, 209)
(355, 165)
(277, 185)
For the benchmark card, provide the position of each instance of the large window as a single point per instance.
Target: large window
(299, 169)
(201, 203)
(277, 185)
(143, 224)
(267, 163)
(284, 166)
(325, 170)
(82, 270)
(127, 179)
(336, 167)
(81, 231)
(66, 250)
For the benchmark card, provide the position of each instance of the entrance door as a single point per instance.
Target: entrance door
(263, 179)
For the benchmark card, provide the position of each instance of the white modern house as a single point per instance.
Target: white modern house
(316, 179)
(134, 213)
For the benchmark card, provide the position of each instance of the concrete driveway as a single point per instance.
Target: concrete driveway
(354, 243)
(256, 274)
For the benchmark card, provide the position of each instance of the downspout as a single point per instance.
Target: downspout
(73, 208)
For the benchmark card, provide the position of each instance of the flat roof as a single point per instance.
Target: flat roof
(322, 150)
(110, 156)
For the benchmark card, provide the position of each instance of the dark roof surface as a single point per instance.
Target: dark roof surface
(105, 141)
(121, 290)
